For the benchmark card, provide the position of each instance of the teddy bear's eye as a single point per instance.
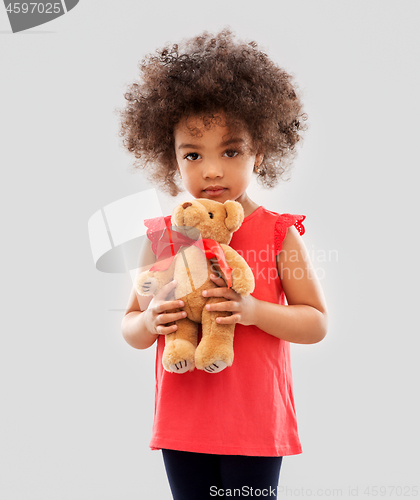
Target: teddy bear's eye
(211, 215)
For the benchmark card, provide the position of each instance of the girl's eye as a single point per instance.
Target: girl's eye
(231, 153)
(192, 156)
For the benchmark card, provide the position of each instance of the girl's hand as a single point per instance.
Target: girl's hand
(156, 317)
(243, 308)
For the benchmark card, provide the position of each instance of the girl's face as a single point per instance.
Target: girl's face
(214, 163)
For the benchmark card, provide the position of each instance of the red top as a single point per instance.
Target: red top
(248, 408)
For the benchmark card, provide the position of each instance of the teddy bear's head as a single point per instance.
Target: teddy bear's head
(216, 221)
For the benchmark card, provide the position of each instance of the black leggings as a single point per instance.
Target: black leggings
(200, 476)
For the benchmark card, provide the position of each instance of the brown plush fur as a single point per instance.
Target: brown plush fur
(192, 270)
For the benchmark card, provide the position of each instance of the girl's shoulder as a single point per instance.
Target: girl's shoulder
(281, 219)
(158, 231)
(157, 223)
(282, 222)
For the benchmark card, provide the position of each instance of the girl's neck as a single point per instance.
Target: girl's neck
(248, 205)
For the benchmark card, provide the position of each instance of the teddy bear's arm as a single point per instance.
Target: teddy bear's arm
(150, 282)
(242, 278)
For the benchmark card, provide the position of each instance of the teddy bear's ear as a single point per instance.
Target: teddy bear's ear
(177, 218)
(235, 215)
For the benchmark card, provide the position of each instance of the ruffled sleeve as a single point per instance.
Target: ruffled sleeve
(158, 231)
(283, 222)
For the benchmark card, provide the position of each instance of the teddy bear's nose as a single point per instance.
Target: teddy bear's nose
(186, 204)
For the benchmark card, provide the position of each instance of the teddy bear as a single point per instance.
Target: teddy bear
(214, 223)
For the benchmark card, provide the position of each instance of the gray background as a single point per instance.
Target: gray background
(76, 400)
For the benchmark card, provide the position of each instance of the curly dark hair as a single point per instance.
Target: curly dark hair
(202, 76)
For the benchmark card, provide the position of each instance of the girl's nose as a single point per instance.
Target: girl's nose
(212, 169)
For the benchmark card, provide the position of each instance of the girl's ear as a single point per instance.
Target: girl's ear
(258, 159)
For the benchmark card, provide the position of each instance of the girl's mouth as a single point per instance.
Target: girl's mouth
(215, 192)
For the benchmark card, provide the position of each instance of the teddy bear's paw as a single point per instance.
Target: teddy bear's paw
(215, 367)
(181, 367)
(178, 356)
(148, 286)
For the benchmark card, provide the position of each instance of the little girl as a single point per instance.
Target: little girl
(216, 111)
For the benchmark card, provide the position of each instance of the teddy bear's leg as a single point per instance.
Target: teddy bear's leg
(179, 353)
(215, 351)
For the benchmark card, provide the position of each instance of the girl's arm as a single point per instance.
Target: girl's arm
(303, 320)
(145, 317)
